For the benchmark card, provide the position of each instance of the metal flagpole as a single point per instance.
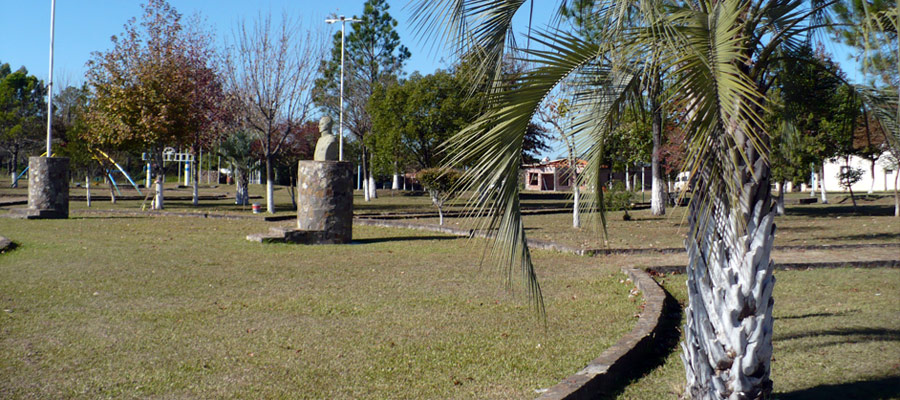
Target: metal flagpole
(50, 81)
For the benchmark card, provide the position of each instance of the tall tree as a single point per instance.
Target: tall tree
(271, 68)
(722, 53)
(373, 56)
(155, 88)
(22, 113)
(411, 120)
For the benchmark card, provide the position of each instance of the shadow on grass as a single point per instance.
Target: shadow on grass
(831, 211)
(883, 388)
(864, 236)
(402, 239)
(813, 315)
(852, 335)
(664, 343)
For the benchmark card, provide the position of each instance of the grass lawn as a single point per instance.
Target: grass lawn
(112, 307)
(842, 342)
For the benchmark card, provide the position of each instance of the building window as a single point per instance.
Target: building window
(532, 179)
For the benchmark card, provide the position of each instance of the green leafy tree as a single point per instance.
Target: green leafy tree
(156, 87)
(411, 120)
(373, 57)
(22, 114)
(870, 26)
(722, 53)
(237, 148)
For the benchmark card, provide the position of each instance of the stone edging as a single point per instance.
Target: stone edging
(548, 245)
(5, 244)
(604, 371)
(679, 269)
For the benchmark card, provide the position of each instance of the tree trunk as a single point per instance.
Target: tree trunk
(195, 190)
(627, 180)
(112, 190)
(657, 190)
(365, 174)
(15, 166)
(159, 171)
(822, 183)
(270, 184)
(395, 184)
(872, 172)
(813, 182)
(727, 348)
(896, 194)
(87, 186)
(372, 193)
(576, 209)
(241, 178)
(779, 204)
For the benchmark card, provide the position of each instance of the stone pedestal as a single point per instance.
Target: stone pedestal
(48, 187)
(325, 200)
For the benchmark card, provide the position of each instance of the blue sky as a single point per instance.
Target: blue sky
(84, 26)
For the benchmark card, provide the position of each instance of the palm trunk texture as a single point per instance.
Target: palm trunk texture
(728, 333)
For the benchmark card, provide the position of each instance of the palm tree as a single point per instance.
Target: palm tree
(715, 55)
(237, 148)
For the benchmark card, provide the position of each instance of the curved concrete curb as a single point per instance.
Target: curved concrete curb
(604, 371)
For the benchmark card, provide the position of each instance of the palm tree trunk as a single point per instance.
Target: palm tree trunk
(728, 330)
(896, 194)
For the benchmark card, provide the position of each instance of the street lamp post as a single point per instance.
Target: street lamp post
(342, 20)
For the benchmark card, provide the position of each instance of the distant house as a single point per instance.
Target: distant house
(551, 175)
(885, 173)
(556, 176)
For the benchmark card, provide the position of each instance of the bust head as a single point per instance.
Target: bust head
(325, 125)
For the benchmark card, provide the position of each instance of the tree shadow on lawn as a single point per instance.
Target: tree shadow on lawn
(832, 211)
(882, 388)
(851, 335)
(402, 239)
(864, 236)
(813, 315)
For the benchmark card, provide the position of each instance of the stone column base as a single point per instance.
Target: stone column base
(48, 188)
(325, 201)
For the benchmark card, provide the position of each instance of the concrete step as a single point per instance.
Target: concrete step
(265, 238)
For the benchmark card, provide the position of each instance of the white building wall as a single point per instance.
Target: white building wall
(884, 174)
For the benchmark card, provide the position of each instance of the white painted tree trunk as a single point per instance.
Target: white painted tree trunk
(372, 187)
(627, 180)
(728, 334)
(576, 209)
(779, 204)
(395, 185)
(270, 195)
(365, 188)
(12, 177)
(87, 186)
(822, 183)
(657, 195)
(158, 198)
(813, 182)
